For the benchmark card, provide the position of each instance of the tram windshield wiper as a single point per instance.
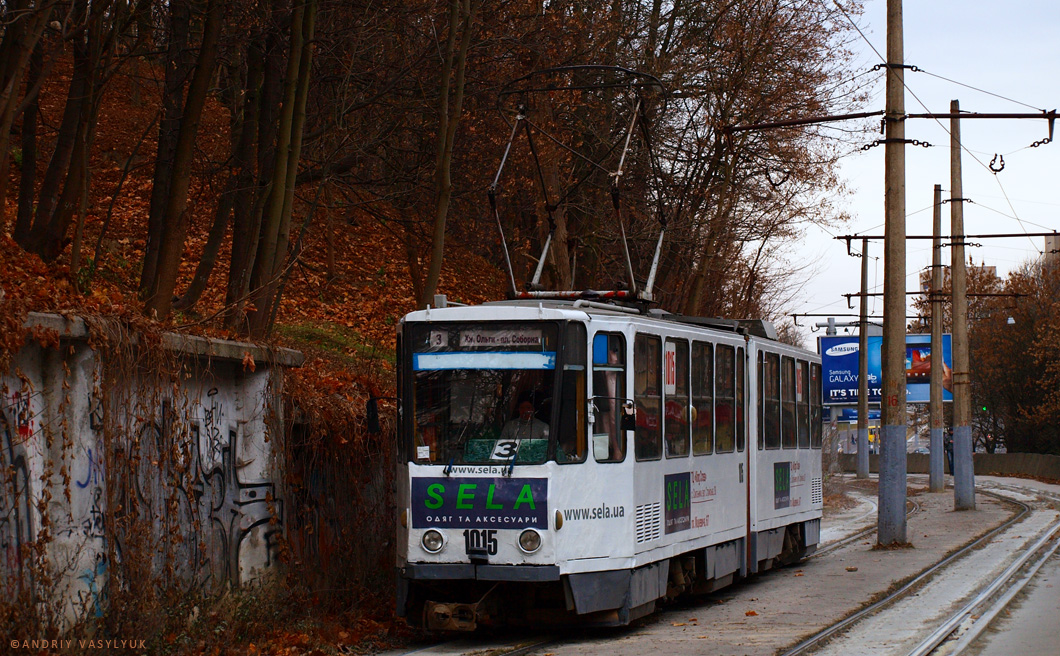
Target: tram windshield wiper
(511, 460)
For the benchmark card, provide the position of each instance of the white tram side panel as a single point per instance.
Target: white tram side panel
(786, 432)
(691, 491)
(595, 505)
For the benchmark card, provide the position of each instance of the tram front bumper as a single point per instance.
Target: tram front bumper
(465, 571)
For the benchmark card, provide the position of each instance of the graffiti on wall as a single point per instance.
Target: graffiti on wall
(232, 509)
(16, 521)
(203, 513)
(179, 489)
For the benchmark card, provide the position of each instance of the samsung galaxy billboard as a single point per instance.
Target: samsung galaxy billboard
(839, 364)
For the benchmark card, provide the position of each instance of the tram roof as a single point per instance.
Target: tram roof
(567, 308)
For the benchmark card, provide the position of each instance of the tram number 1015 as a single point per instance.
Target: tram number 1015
(480, 541)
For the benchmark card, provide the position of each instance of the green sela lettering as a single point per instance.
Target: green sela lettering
(470, 496)
(677, 495)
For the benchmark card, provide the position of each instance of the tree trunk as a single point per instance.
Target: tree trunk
(244, 129)
(178, 67)
(21, 36)
(461, 16)
(175, 222)
(261, 275)
(297, 128)
(28, 180)
(246, 215)
(209, 252)
(64, 147)
(276, 219)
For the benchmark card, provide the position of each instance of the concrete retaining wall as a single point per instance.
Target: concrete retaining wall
(107, 464)
(1030, 464)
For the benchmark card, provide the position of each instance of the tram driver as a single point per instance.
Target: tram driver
(525, 425)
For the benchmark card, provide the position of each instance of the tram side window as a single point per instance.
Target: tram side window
(771, 392)
(815, 405)
(787, 403)
(676, 424)
(802, 398)
(741, 408)
(609, 393)
(702, 399)
(760, 410)
(571, 444)
(725, 392)
(647, 380)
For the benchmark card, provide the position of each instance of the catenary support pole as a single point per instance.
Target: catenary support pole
(963, 474)
(936, 482)
(863, 366)
(892, 496)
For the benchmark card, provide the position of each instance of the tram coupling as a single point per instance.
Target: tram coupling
(444, 616)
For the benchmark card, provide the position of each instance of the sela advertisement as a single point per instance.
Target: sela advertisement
(781, 485)
(512, 503)
(839, 365)
(678, 513)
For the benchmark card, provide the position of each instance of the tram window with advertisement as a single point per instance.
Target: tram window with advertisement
(816, 427)
(609, 394)
(741, 407)
(725, 399)
(487, 393)
(702, 399)
(647, 395)
(770, 420)
(787, 403)
(677, 404)
(802, 400)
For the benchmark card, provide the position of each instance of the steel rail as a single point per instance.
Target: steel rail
(987, 618)
(983, 621)
(949, 626)
(819, 637)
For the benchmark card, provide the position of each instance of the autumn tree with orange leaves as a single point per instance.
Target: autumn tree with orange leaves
(338, 113)
(1015, 377)
(1016, 364)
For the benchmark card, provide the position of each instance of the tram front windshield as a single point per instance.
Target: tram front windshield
(483, 393)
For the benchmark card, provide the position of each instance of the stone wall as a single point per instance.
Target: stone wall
(110, 463)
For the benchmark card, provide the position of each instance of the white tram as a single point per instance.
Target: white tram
(572, 460)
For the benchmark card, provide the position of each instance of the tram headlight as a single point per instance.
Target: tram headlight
(432, 541)
(529, 540)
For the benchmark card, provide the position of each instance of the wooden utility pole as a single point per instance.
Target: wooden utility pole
(963, 473)
(936, 482)
(892, 497)
(863, 366)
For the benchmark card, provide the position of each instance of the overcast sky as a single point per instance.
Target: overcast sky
(1009, 49)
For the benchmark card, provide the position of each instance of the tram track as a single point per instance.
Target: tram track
(956, 631)
(966, 625)
(1003, 589)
